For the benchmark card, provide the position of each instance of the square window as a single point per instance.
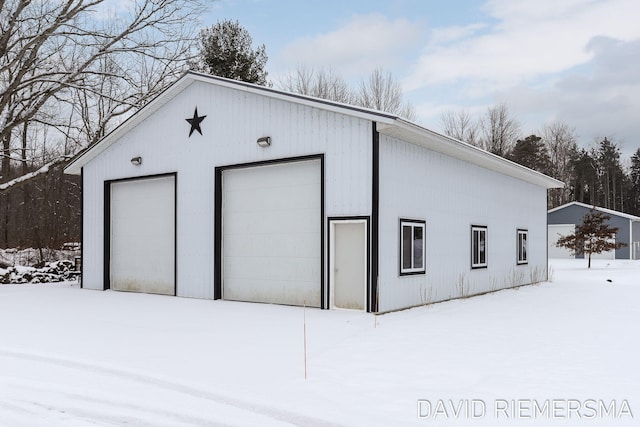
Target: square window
(522, 247)
(412, 247)
(478, 246)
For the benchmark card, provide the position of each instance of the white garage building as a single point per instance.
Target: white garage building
(225, 190)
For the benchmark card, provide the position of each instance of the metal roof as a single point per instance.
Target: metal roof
(603, 210)
(387, 124)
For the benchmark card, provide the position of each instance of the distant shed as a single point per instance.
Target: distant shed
(226, 190)
(563, 219)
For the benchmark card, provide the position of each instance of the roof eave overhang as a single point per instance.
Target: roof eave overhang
(418, 135)
(387, 124)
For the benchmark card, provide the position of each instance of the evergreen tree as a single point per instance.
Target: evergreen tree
(634, 177)
(611, 176)
(532, 153)
(225, 50)
(585, 177)
(593, 236)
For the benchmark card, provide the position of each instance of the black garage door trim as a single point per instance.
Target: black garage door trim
(218, 232)
(107, 226)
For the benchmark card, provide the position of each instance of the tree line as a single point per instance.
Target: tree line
(72, 70)
(226, 49)
(596, 176)
(42, 213)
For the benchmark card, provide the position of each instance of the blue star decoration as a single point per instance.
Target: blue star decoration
(195, 122)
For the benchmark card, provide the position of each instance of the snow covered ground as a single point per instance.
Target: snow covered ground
(71, 357)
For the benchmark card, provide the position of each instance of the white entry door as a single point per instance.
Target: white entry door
(271, 220)
(348, 260)
(142, 246)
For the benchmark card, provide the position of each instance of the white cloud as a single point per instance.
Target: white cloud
(600, 99)
(572, 60)
(441, 36)
(524, 40)
(364, 43)
(604, 102)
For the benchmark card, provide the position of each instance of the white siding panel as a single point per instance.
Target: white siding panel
(235, 120)
(451, 196)
(92, 230)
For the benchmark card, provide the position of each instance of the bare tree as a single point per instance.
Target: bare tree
(53, 53)
(319, 83)
(381, 91)
(560, 140)
(499, 130)
(460, 125)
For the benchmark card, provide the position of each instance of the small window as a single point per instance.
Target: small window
(478, 246)
(522, 247)
(412, 243)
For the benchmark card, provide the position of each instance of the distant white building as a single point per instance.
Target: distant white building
(563, 220)
(223, 189)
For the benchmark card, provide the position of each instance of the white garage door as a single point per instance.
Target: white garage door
(558, 230)
(272, 230)
(555, 232)
(143, 235)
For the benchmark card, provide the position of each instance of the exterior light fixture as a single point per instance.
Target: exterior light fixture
(136, 161)
(265, 141)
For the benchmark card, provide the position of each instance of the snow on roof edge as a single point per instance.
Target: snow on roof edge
(598, 208)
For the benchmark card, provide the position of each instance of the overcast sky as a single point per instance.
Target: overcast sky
(577, 61)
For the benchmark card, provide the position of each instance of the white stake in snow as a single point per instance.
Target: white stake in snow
(304, 335)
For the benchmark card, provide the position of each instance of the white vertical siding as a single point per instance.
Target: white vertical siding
(92, 230)
(451, 195)
(235, 119)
